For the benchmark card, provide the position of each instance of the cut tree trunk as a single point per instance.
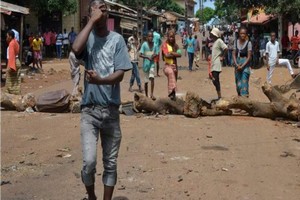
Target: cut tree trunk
(17, 102)
(161, 106)
(193, 106)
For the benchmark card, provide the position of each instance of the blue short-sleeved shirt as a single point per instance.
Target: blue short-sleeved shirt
(105, 55)
(145, 50)
(156, 39)
(190, 45)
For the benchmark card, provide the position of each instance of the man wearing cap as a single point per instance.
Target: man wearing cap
(219, 50)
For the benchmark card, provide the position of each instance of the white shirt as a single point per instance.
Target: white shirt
(66, 38)
(272, 49)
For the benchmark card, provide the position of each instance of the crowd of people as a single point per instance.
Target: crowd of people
(48, 45)
(243, 51)
(107, 57)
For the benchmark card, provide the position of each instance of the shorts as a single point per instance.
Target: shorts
(149, 75)
(156, 59)
(37, 55)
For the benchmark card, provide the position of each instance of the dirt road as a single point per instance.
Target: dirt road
(165, 157)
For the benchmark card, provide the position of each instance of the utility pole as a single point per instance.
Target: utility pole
(185, 16)
(202, 11)
(139, 19)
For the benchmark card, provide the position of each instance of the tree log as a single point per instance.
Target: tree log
(17, 102)
(193, 106)
(161, 106)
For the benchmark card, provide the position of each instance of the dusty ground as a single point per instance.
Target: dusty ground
(165, 157)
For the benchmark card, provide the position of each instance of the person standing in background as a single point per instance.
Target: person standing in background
(242, 53)
(13, 77)
(203, 51)
(133, 46)
(59, 39)
(191, 51)
(47, 43)
(171, 52)
(66, 43)
(197, 50)
(219, 51)
(53, 43)
(230, 48)
(72, 36)
(295, 40)
(285, 42)
(148, 52)
(37, 45)
(157, 42)
(272, 56)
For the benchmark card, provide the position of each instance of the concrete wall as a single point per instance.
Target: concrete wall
(68, 21)
(32, 20)
(71, 21)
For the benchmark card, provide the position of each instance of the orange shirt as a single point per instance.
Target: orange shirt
(295, 40)
(13, 51)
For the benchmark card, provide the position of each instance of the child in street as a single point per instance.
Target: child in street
(219, 49)
(148, 52)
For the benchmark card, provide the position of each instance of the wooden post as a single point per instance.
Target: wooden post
(21, 39)
(140, 20)
(280, 31)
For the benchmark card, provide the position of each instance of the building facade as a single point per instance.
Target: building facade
(190, 6)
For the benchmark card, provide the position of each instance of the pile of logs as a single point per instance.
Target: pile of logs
(192, 106)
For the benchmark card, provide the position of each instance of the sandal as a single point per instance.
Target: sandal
(153, 98)
(172, 95)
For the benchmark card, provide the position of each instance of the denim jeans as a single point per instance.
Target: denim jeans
(58, 51)
(191, 60)
(135, 74)
(229, 57)
(104, 122)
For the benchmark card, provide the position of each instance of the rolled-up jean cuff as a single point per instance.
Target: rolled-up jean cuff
(109, 179)
(88, 179)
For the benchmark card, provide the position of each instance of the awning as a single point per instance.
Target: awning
(128, 24)
(259, 19)
(7, 8)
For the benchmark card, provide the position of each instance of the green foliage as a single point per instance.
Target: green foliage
(208, 14)
(228, 11)
(290, 8)
(42, 7)
(168, 5)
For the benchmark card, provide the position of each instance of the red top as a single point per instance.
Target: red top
(13, 51)
(295, 40)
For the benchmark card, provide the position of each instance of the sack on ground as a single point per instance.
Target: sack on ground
(55, 102)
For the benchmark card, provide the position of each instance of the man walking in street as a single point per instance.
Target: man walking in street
(272, 56)
(133, 46)
(106, 60)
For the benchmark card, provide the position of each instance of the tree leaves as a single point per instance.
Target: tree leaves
(67, 7)
(208, 14)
